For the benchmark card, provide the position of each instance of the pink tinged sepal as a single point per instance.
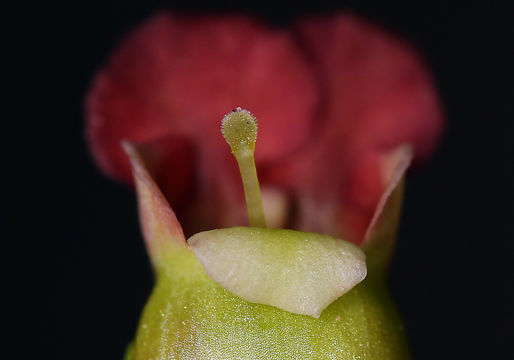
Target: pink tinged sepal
(161, 229)
(380, 236)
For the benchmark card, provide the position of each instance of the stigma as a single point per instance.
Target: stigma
(239, 128)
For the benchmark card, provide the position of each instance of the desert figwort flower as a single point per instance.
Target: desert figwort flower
(342, 110)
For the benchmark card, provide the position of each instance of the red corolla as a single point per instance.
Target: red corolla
(336, 99)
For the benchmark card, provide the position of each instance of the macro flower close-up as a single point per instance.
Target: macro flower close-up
(335, 96)
(286, 181)
(343, 107)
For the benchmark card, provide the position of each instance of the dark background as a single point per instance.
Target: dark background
(76, 274)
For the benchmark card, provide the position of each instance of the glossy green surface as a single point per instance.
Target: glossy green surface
(189, 316)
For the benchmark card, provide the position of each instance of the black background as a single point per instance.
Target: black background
(75, 271)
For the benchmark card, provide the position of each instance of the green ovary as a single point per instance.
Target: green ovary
(189, 316)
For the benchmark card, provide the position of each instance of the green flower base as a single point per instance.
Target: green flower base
(189, 316)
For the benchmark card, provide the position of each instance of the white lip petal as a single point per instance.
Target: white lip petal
(294, 271)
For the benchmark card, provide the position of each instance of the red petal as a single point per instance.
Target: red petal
(179, 76)
(378, 95)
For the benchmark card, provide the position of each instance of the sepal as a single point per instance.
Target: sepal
(161, 229)
(380, 236)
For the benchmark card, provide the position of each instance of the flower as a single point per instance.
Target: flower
(343, 108)
(335, 96)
